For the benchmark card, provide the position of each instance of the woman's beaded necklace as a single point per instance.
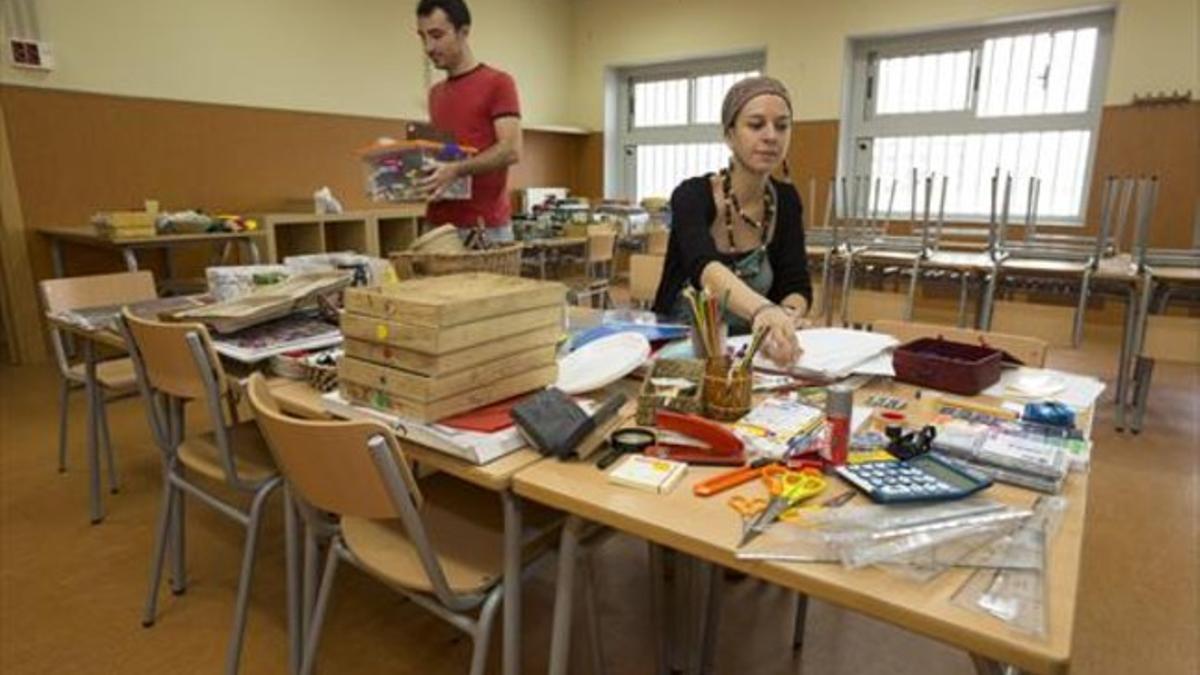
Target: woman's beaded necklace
(732, 206)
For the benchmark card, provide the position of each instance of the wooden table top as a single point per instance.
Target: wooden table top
(959, 260)
(1176, 274)
(710, 529)
(105, 337)
(1044, 266)
(88, 235)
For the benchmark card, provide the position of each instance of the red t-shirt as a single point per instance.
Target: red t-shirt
(466, 105)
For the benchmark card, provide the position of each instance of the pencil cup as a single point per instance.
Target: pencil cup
(726, 390)
(698, 344)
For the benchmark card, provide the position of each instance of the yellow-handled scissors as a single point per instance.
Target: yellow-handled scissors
(787, 488)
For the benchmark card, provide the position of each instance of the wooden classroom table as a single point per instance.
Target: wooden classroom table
(1142, 297)
(128, 247)
(708, 529)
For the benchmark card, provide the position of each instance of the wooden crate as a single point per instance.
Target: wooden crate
(470, 400)
(454, 299)
(443, 364)
(438, 340)
(425, 389)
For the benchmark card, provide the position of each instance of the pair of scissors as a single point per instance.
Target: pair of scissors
(747, 507)
(787, 489)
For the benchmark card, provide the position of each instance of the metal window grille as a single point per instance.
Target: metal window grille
(670, 121)
(1021, 98)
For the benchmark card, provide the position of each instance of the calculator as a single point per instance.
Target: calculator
(926, 477)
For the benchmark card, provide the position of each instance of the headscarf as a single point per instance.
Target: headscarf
(744, 90)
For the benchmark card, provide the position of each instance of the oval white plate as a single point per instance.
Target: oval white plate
(602, 362)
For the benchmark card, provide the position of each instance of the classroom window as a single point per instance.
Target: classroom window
(1020, 99)
(671, 121)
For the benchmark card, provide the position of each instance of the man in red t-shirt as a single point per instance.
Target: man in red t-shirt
(478, 105)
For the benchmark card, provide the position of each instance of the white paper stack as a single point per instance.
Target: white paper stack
(475, 447)
(834, 353)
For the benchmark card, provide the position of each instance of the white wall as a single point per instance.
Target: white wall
(1156, 42)
(357, 57)
(362, 56)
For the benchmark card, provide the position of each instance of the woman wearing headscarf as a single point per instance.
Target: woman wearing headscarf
(740, 231)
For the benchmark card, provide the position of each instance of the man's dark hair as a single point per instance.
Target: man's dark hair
(456, 11)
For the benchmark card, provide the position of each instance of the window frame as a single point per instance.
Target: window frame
(862, 125)
(629, 137)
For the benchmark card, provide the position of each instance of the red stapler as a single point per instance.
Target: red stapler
(714, 443)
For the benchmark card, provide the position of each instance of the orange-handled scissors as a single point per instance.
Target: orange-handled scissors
(787, 488)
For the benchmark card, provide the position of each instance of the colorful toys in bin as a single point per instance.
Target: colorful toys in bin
(394, 168)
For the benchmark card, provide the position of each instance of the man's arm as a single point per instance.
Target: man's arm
(505, 152)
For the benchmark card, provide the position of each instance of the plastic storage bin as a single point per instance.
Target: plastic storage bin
(394, 168)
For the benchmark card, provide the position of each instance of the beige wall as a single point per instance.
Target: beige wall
(1155, 45)
(357, 57)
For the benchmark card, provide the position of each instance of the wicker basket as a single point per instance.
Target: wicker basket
(322, 378)
(692, 402)
(504, 260)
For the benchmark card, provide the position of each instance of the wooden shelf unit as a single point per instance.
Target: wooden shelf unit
(374, 232)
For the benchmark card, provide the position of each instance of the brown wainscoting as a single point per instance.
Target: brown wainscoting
(1162, 141)
(77, 153)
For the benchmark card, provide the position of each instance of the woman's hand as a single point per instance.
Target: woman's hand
(780, 344)
(799, 320)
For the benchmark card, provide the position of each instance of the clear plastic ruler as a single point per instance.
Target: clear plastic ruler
(1017, 595)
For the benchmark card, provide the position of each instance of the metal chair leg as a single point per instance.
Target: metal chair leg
(1123, 357)
(291, 543)
(984, 321)
(310, 574)
(249, 553)
(1141, 392)
(178, 542)
(847, 283)
(114, 485)
(313, 638)
(910, 305)
(482, 635)
(827, 288)
(1085, 291)
(64, 398)
(161, 534)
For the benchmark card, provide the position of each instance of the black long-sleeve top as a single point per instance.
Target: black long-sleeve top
(691, 246)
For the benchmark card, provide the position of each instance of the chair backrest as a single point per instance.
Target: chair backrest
(656, 241)
(165, 353)
(327, 461)
(601, 246)
(645, 272)
(97, 290)
(351, 469)
(1031, 351)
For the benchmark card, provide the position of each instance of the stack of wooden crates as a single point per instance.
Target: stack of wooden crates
(435, 347)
